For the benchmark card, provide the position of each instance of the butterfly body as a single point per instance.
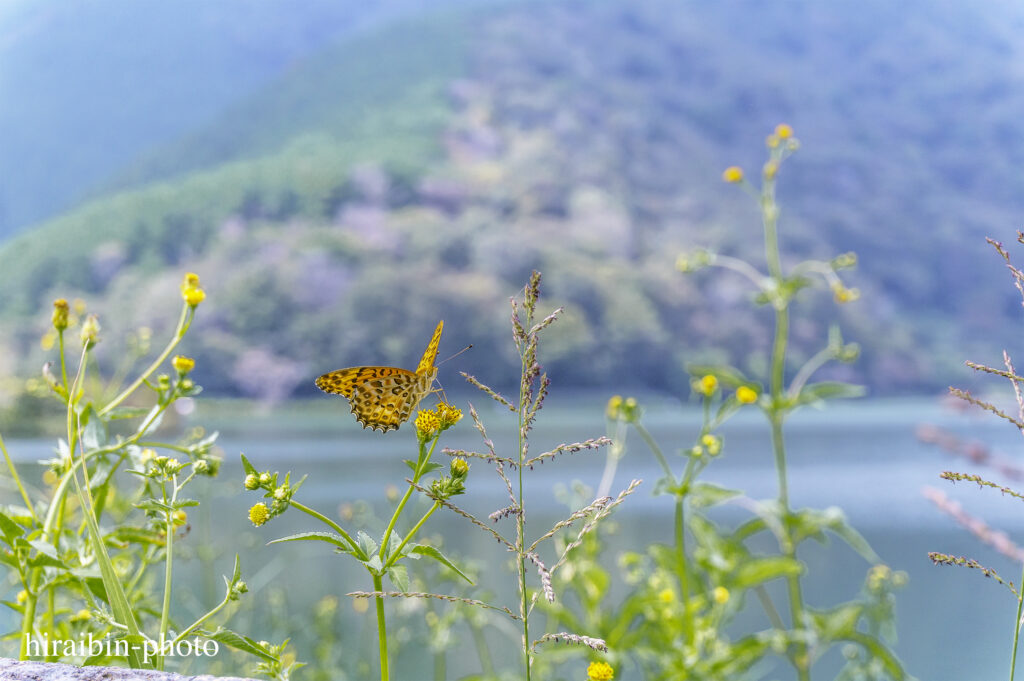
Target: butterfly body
(385, 397)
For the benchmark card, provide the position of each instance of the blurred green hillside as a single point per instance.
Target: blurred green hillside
(421, 171)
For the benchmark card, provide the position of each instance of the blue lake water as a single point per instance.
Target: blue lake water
(861, 456)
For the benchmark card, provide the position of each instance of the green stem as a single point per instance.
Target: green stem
(187, 312)
(420, 466)
(658, 454)
(330, 523)
(521, 516)
(382, 635)
(410, 534)
(482, 651)
(17, 481)
(165, 613)
(1016, 628)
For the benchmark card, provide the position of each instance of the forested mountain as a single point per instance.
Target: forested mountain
(421, 170)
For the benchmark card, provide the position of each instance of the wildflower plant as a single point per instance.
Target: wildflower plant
(384, 557)
(84, 551)
(685, 595)
(994, 538)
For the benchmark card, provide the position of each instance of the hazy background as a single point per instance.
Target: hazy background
(343, 174)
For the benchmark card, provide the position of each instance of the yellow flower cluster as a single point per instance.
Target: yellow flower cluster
(427, 423)
(712, 443)
(600, 671)
(191, 291)
(430, 422)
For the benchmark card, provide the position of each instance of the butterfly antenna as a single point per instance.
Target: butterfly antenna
(468, 347)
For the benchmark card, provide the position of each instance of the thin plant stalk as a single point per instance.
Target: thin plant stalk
(1016, 627)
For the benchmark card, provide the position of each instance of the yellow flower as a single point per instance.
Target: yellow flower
(448, 415)
(614, 405)
(48, 340)
(281, 493)
(427, 423)
(783, 131)
(772, 141)
(721, 595)
(258, 514)
(49, 477)
(182, 364)
(771, 169)
(666, 595)
(600, 671)
(745, 395)
(22, 596)
(252, 481)
(733, 174)
(179, 517)
(712, 444)
(707, 384)
(265, 478)
(191, 291)
(81, 616)
(60, 314)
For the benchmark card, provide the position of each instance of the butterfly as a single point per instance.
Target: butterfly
(385, 397)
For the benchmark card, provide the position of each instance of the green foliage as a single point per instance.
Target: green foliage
(679, 618)
(80, 578)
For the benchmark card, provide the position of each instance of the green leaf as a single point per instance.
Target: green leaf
(238, 642)
(725, 374)
(399, 576)
(839, 622)
(432, 552)
(116, 597)
(9, 528)
(46, 556)
(881, 653)
(94, 435)
(154, 506)
(807, 523)
(249, 468)
(828, 390)
(329, 537)
(705, 494)
(126, 413)
(366, 543)
(374, 564)
(759, 570)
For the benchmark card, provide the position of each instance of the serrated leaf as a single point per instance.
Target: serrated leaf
(238, 642)
(828, 390)
(153, 505)
(706, 494)
(366, 543)
(399, 576)
(126, 413)
(759, 570)
(328, 537)
(374, 564)
(433, 552)
(9, 528)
